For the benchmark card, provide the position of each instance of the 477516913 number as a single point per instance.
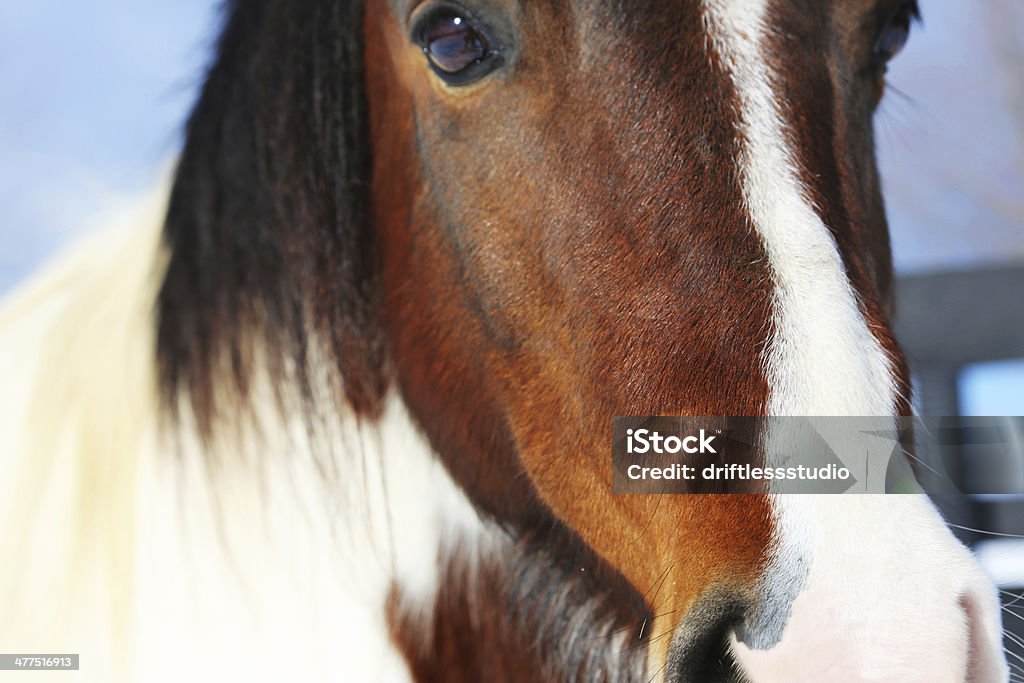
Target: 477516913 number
(40, 662)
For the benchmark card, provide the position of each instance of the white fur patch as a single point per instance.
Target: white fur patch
(860, 588)
(125, 545)
(289, 569)
(885, 599)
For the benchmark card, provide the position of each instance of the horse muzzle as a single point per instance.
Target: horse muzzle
(884, 593)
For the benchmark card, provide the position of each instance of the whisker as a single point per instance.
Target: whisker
(1013, 638)
(1016, 598)
(630, 628)
(982, 531)
(904, 96)
(662, 635)
(658, 672)
(654, 600)
(655, 639)
(663, 614)
(650, 521)
(1009, 611)
(636, 646)
(1015, 655)
(659, 581)
(922, 463)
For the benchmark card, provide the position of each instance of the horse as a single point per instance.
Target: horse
(336, 404)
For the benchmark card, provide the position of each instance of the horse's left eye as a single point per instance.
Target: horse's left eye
(895, 33)
(458, 51)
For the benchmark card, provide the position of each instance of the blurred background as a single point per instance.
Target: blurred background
(93, 97)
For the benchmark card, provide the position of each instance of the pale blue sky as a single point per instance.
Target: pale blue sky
(92, 99)
(951, 137)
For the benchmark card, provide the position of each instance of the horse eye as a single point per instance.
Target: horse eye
(458, 51)
(895, 33)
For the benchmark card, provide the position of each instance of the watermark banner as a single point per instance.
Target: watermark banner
(833, 455)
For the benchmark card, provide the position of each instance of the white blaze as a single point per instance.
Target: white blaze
(823, 359)
(860, 588)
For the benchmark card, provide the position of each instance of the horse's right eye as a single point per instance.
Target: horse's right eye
(457, 49)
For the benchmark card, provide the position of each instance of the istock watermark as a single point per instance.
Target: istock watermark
(833, 455)
(645, 441)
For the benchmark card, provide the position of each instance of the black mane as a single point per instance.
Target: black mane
(267, 225)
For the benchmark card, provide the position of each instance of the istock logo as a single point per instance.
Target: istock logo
(646, 441)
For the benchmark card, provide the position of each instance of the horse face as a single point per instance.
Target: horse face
(590, 209)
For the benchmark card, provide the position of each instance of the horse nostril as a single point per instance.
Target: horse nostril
(700, 652)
